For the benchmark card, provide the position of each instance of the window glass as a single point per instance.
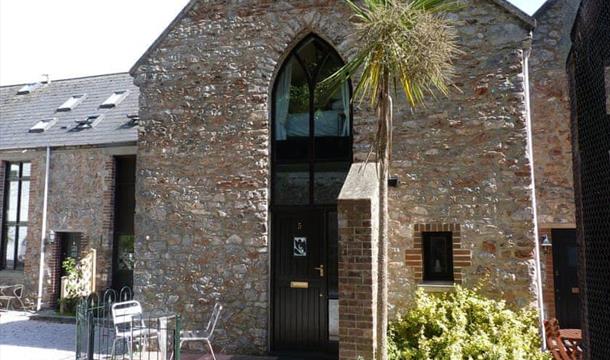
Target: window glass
(291, 186)
(9, 249)
(292, 102)
(299, 104)
(13, 193)
(21, 246)
(312, 54)
(13, 171)
(328, 181)
(25, 200)
(26, 170)
(438, 256)
(16, 206)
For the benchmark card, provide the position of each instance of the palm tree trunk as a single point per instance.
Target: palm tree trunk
(383, 157)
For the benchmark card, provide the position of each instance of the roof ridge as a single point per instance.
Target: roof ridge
(74, 78)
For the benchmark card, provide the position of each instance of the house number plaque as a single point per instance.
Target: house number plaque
(299, 246)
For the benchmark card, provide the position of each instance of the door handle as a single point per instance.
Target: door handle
(320, 269)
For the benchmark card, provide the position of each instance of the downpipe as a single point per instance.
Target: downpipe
(43, 231)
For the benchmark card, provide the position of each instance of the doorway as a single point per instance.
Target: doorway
(69, 247)
(124, 234)
(565, 272)
(311, 154)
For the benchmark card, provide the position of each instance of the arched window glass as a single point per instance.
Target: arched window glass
(312, 132)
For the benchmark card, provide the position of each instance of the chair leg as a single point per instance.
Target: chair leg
(113, 346)
(22, 304)
(211, 350)
(130, 348)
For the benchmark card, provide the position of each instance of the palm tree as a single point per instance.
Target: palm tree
(408, 45)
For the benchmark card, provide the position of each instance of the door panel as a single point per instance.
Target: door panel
(565, 267)
(300, 289)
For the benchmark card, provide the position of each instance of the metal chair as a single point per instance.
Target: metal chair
(129, 325)
(206, 334)
(17, 294)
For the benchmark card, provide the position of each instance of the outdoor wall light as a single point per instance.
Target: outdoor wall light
(51, 237)
(393, 181)
(545, 241)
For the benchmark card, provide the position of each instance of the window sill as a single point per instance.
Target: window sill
(437, 286)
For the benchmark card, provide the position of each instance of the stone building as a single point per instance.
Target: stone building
(251, 192)
(87, 125)
(552, 146)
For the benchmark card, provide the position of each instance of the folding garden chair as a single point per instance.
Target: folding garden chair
(205, 334)
(129, 325)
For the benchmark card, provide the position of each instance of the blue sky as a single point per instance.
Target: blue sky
(72, 38)
(529, 6)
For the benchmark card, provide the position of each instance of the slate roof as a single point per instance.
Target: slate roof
(18, 113)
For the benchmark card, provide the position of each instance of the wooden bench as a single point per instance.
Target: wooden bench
(558, 346)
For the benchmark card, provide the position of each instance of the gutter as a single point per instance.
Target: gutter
(44, 230)
(530, 150)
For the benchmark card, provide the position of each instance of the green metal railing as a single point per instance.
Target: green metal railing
(96, 338)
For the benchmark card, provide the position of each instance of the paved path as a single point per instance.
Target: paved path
(24, 339)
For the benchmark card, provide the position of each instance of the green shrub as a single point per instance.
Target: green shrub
(464, 325)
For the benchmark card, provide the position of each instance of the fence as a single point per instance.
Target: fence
(149, 335)
(589, 72)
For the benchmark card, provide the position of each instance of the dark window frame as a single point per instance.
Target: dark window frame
(311, 159)
(428, 275)
(18, 224)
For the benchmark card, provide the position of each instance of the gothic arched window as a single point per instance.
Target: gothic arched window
(312, 130)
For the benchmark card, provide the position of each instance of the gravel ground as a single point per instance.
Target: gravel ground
(24, 339)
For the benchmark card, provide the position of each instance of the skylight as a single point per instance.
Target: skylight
(71, 103)
(43, 125)
(89, 122)
(134, 119)
(28, 88)
(115, 99)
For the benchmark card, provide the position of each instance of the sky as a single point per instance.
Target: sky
(73, 38)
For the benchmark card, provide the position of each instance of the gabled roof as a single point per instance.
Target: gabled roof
(526, 20)
(18, 113)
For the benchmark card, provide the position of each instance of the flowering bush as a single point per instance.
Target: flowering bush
(464, 325)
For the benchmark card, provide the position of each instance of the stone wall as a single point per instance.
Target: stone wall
(203, 159)
(463, 161)
(550, 107)
(80, 199)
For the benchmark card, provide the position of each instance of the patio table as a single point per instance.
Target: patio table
(160, 321)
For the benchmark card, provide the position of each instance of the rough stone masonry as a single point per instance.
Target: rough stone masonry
(203, 159)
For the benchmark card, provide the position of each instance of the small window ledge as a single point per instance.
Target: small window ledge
(437, 286)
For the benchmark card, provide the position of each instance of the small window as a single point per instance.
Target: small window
(114, 99)
(71, 103)
(89, 122)
(28, 88)
(438, 256)
(43, 125)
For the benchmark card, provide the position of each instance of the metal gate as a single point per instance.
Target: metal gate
(96, 335)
